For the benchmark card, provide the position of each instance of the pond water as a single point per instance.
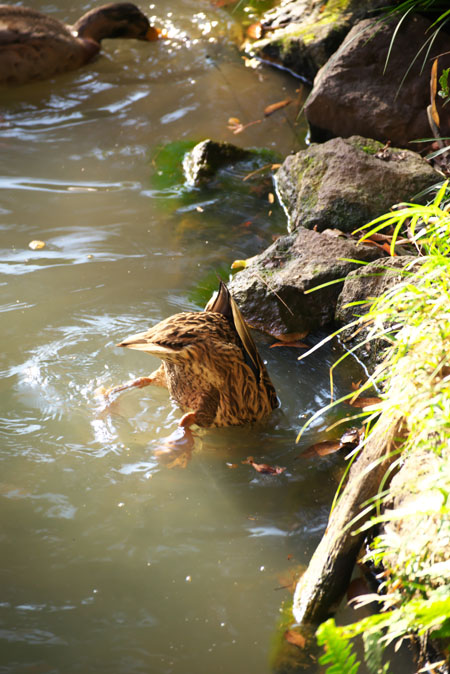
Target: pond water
(111, 561)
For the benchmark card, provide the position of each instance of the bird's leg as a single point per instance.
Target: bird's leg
(205, 412)
(156, 378)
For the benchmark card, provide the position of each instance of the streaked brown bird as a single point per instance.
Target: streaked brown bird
(210, 365)
(34, 46)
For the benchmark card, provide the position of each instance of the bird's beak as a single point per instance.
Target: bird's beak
(152, 34)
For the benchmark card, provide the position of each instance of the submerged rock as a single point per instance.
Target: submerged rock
(207, 157)
(302, 35)
(271, 290)
(359, 92)
(345, 183)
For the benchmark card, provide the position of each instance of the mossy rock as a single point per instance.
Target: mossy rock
(346, 182)
(302, 35)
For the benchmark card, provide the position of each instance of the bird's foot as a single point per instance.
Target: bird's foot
(140, 382)
(176, 450)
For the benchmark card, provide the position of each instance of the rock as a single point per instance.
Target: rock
(271, 290)
(369, 283)
(345, 183)
(353, 95)
(302, 35)
(207, 157)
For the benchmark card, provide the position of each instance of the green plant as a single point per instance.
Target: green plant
(414, 319)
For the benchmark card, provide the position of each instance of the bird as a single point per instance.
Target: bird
(210, 366)
(34, 46)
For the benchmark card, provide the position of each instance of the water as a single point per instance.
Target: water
(111, 561)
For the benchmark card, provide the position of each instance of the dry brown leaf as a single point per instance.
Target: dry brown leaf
(322, 449)
(236, 127)
(365, 402)
(264, 467)
(231, 465)
(294, 637)
(270, 109)
(383, 246)
(292, 336)
(433, 90)
(298, 345)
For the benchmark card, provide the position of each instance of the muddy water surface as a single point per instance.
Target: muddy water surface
(111, 562)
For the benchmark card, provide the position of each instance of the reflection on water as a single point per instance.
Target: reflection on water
(111, 561)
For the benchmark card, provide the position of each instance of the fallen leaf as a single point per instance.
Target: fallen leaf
(264, 467)
(322, 449)
(433, 89)
(382, 246)
(270, 109)
(291, 336)
(357, 385)
(36, 244)
(236, 127)
(271, 198)
(365, 402)
(294, 637)
(231, 465)
(242, 264)
(255, 31)
(299, 345)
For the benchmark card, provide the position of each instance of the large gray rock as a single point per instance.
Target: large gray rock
(271, 290)
(345, 183)
(302, 35)
(353, 94)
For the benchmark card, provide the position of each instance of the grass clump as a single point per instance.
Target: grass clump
(412, 515)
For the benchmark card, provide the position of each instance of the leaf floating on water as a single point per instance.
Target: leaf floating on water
(264, 467)
(255, 31)
(36, 244)
(231, 465)
(365, 402)
(236, 127)
(322, 449)
(270, 109)
(298, 345)
(294, 637)
(291, 336)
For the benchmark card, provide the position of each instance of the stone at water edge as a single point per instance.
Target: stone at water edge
(302, 35)
(271, 291)
(346, 182)
(353, 95)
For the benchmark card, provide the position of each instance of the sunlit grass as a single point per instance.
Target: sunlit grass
(412, 548)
